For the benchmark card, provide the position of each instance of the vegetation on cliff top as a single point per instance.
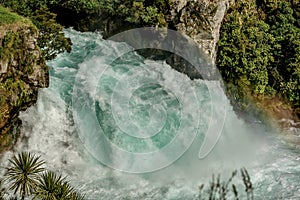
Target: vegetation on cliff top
(7, 17)
(141, 12)
(259, 49)
(45, 21)
(44, 14)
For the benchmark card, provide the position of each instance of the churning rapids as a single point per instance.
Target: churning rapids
(61, 128)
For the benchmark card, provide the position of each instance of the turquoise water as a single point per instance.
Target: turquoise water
(139, 115)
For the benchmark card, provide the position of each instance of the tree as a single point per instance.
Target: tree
(286, 31)
(51, 40)
(22, 173)
(48, 186)
(259, 49)
(138, 12)
(53, 187)
(244, 48)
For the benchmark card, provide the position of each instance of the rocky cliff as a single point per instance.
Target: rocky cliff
(22, 72)
(200, 20)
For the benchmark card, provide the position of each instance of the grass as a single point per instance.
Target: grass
(8, 17)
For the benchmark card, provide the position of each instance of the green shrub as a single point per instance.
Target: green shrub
(26, 175)
(7, 17)
(52, 39)
(259, 48)
(140, 12)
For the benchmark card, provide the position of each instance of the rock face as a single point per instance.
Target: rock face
(201, 20)
(22, 72)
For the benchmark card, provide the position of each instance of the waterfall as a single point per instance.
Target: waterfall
(102, 116)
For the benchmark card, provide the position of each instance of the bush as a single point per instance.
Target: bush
(25, 174)
(51, 39)
(259, 49)
(141, 12)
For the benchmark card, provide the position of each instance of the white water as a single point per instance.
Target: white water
(55, 130)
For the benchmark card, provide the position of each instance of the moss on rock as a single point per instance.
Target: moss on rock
(22, 71)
